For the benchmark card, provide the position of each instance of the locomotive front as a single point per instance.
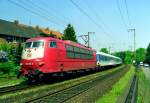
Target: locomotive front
(32, 58)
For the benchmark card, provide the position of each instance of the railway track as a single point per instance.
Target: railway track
(70, 92)
(16, 88)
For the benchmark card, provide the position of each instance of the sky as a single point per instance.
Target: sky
(108, 19)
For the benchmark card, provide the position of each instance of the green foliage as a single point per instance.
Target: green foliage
(147, 58)
(48, 35)
(10, 63)
(129, 57)
(18, 53)
(69, 33)
(2, 40)
(126, 56)
(104, 50)
(4, 46)
(140, 55)
(13, 51)
(7, 48)
(7, 67)
(43, 34)
(52, 35)
(121, 54)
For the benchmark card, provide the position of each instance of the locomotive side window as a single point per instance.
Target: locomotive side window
(69, 48)
(78, 53)
(53, 44)
(76, 49)
(37, 44)
(70, 51)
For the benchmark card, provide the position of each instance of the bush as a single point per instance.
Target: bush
(11, 52)
(17, 56)
(7, 67)
(5, 51)
(5, 47)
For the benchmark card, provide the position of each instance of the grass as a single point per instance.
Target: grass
(10, 81)
(34, 92)
(118, 88)
(143, 88)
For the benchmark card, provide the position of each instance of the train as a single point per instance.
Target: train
(104, 59)
(46, 55)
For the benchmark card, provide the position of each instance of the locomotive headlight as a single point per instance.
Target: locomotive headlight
(41, 63)
(37, 60)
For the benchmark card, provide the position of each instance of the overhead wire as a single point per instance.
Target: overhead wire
(33, 12)
(55, 12)
(129, 20)
(92, 20)
(36, 8)
(89, 17)
(121, 15)
(99, 19)
(45, 11)
(98, 16)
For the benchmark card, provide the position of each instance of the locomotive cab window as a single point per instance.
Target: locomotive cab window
(53, 44)
(35, 44)
(27, 45)
(38, 44)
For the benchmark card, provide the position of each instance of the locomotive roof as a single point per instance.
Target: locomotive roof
(41, 38)
(76, 44)
(105, 54)
(65, 41)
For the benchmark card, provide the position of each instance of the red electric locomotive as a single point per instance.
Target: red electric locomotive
(46, 55)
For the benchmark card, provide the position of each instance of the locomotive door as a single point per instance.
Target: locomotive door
(60, 56)
(56, 54)
(53, 50)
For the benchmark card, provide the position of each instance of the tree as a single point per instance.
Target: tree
(69, 33)
(37, 27)
(7, 67)
(2, 41)
(129, 57)
(43, 34)
(52, 35)
(104, 50)
(121, 54)
(126, 56)
(18, 52)
(140, 55)
(147, 58)
(4, 46)
(16, 22)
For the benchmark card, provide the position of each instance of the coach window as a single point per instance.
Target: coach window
(53, 44)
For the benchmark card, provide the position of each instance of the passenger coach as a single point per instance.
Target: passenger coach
(104, 59)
